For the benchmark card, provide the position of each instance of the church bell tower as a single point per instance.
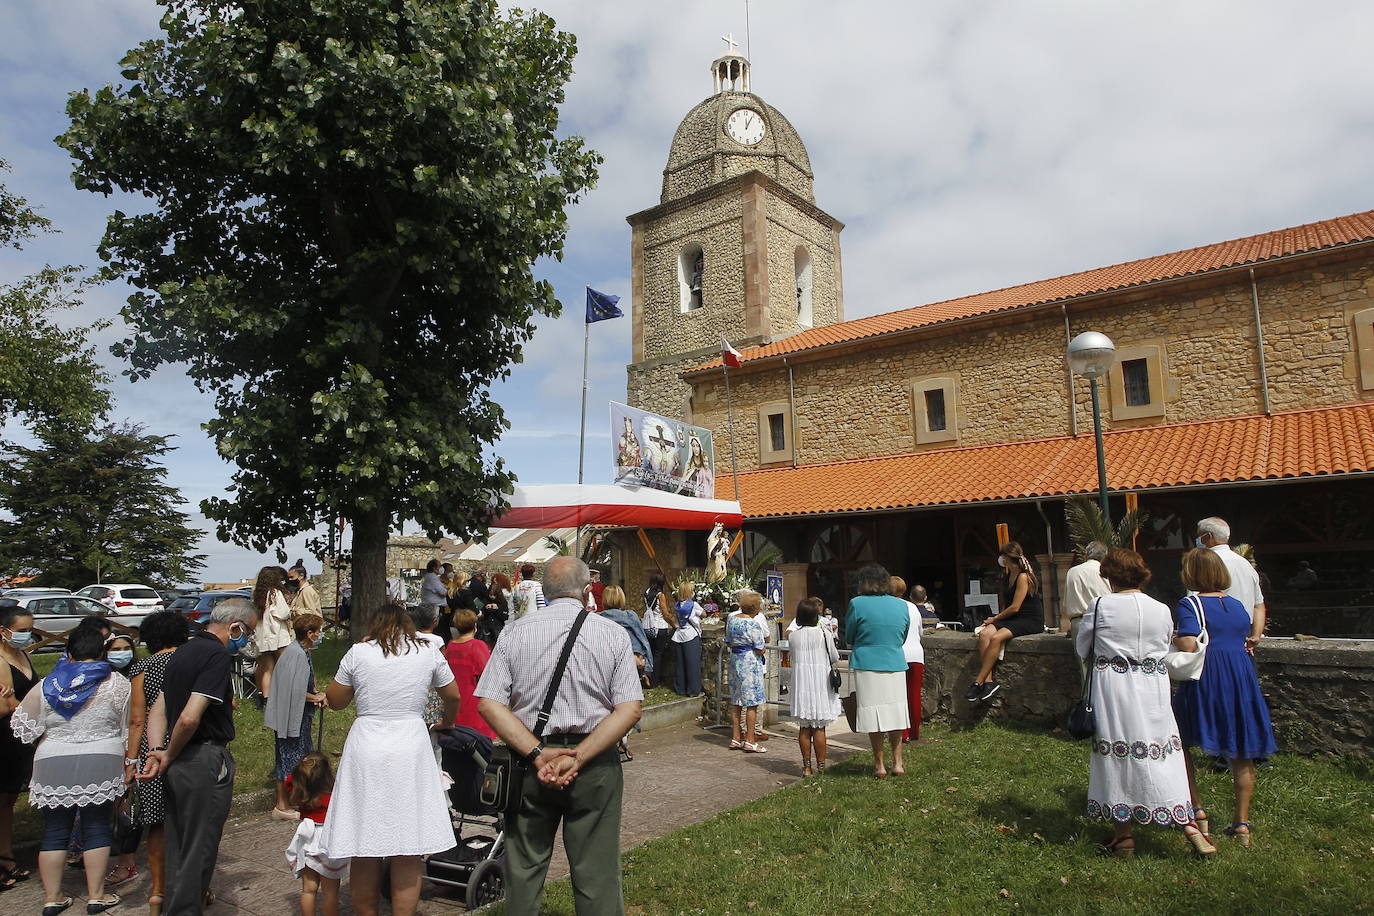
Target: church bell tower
(736, 245)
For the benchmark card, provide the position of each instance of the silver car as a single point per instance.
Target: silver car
(58, 614)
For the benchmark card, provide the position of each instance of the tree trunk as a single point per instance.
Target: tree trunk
(371, 530)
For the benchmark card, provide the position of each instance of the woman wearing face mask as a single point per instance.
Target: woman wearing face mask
(274, 624)
(162, 633)
(16, 757)
(1021, 615)
(290, 711)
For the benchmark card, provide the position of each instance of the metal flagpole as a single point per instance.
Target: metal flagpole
(582, 433)
(734, 464)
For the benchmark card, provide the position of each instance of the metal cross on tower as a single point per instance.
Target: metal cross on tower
(730, 43)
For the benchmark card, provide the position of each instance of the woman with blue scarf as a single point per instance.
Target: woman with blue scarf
(79, 715)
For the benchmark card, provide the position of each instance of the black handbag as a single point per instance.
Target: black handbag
(125, 830)
(1082, 722)
(505, 771)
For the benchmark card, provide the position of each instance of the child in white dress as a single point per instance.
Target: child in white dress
(308, 788)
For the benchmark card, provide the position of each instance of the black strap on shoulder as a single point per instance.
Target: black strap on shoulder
(543, 719)
(1092, 661)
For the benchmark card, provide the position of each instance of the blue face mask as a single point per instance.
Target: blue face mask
(236, 643)
(20, 639)
(1197, 542)
(120, 658)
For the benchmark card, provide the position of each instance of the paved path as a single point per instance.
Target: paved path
(252, 877)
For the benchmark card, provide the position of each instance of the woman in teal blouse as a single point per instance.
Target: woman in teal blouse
(875, 628)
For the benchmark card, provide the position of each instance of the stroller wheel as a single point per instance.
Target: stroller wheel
(487, 884)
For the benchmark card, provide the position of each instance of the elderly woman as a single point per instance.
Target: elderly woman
(744, 637)
(614, 600)
(1021, 615)
(1223, 712)
(162, 633)
(389, 799)
(1137, 775)
(290, 711)
(79, 715)
(876, 628)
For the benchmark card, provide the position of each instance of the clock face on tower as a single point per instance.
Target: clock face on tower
(745, 126)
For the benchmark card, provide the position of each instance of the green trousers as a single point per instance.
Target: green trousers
(589, 811)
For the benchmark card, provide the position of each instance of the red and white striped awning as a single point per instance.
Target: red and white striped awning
(573, 505)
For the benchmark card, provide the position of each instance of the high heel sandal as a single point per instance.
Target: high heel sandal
(1119, 847)
(1204, 823)
(1201, 845)
(806, 766)
(1234, 832)
(820, 766)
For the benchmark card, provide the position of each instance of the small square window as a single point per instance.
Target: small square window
(1136, 377)
(935, 410)
(777, 433)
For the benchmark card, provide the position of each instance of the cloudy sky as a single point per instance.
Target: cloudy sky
(967, 147)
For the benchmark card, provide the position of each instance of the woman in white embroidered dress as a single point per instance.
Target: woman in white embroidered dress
(388, 799)
(79, 715)
(1138, 774)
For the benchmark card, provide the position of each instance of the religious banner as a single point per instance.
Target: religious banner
(654, 451)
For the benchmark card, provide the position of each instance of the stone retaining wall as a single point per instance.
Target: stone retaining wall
(1320, 692)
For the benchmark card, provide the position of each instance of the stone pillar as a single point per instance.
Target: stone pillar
(1054, 572)
(755, 238)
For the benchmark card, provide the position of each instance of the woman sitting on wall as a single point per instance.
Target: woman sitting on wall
(1021, 615)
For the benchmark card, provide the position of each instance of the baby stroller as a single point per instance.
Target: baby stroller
(476, 867)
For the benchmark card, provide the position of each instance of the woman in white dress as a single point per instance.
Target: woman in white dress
(1138, 775)
(389, 799)
(815, 703)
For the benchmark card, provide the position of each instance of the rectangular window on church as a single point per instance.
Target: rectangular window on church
(1136, 378)
(777, 433)
(935, 410)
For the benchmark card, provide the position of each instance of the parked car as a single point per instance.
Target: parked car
(198, 605)
(56, 614)
(115, 597)
(33, 592)
(171, 594)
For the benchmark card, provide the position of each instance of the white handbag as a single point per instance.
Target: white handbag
(1187, 666)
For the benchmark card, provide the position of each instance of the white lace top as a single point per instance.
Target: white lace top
(79, 761)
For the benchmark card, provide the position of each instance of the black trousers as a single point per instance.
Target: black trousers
(199, 787)
(659, 643)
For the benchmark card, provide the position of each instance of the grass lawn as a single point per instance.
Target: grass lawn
(986, 820)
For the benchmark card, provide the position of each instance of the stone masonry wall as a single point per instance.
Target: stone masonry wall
(1011, 383)
(789, 228)
(1320, 693)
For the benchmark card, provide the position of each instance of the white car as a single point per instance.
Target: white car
(58, 614)
(124, 599)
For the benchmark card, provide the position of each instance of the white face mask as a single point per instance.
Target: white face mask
(1002, 562)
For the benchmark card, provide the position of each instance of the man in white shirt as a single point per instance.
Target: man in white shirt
(1083, 585)
(529, 594)
(1215, 533)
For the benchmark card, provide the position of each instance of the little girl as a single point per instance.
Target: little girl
(308, 789)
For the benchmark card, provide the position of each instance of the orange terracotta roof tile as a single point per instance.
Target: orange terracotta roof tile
(1297, 444)
(1343, 230)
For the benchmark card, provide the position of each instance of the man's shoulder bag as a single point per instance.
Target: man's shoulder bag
(505, 771)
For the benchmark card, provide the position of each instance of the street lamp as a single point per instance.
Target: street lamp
(1092, 356)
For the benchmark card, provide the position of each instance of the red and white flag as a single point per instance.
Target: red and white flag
(729, 354)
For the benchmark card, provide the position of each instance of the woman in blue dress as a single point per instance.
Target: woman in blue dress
(1223, 712)
(744, 637)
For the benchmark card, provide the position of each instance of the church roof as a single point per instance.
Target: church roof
(1254, 249)
(1328, 441)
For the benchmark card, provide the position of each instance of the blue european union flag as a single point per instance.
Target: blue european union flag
(601, 306)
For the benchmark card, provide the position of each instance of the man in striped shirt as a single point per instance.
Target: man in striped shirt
(573, 774)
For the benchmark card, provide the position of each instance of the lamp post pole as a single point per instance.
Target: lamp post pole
(1092, 356)
(1101, 457)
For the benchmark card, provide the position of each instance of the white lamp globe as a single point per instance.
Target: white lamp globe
(1091, 354)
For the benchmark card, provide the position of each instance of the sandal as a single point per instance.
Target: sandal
(1119, 847)
(820, 766)
(753, 748)
(1201, 845)
(736, 744)
(12, 872)
(121, 874)
(806, 766)
(52, 909)
(1204, 823)
(1234, 831)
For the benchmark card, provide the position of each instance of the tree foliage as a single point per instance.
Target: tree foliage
(86, 507)
(1086, 523)
(48, 374)
(347, 200)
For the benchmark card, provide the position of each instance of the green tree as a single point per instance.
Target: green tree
(48, 374)
(347, 198)
(92, 506)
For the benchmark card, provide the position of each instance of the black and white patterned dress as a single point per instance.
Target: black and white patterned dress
(153, 668)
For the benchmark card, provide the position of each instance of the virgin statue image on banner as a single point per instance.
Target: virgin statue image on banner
(654, 451)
